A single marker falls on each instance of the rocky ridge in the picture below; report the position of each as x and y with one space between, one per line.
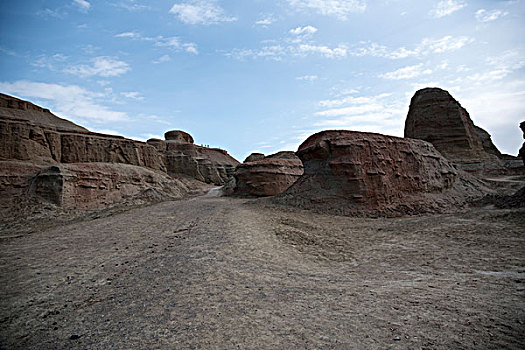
267 176
356 173
47 159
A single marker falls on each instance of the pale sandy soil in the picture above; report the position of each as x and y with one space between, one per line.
220 273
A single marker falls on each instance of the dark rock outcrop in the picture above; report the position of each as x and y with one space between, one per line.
253 157
356 173
522 149
267 176
435 116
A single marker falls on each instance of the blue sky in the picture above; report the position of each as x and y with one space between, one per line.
257 75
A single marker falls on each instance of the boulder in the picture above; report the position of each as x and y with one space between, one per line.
355 173
268 176
435 116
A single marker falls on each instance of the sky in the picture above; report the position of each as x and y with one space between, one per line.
260 75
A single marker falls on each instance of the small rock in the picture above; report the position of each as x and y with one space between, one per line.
396 338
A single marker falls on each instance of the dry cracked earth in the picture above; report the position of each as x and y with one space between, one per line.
226 273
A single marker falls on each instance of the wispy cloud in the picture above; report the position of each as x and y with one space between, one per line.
132 5
340 9
408 72
302 46
377 113
103 66
489 16
69 101
133 95
172 42
83 5
309 78
446 7
306 30
162 59
266 21
200 12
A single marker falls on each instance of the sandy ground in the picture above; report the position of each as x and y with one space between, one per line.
222 273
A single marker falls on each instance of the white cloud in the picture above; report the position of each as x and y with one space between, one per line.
307 78
103 66
340 9
172 42
376 113
83 5
447 7
162 59
132 5
266 21
134 95
489 16
300 46
68 101
428 46
306 30
508 60
408 72
339 51
200 12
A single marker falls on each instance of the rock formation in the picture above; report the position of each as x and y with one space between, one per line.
350 172
435 116
267 176
48 159
254 156
522 149
91 185
183 158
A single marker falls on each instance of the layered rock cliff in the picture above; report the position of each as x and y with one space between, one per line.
183 158
358 173
267 176
435 116
45 158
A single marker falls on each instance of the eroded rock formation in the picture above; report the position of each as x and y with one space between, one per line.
53 160
522 149
435 116
267 176
183 158
350 172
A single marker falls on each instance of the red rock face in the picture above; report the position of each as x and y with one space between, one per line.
268 176
435 116
352 172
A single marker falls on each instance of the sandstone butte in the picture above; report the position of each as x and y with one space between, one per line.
262 176
44 158
357 173
435 116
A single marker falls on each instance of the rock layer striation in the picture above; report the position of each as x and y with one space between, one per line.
267 176
349 172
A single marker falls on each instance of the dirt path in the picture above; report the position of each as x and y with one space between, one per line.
217 273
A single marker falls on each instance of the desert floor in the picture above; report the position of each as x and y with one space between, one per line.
226 273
